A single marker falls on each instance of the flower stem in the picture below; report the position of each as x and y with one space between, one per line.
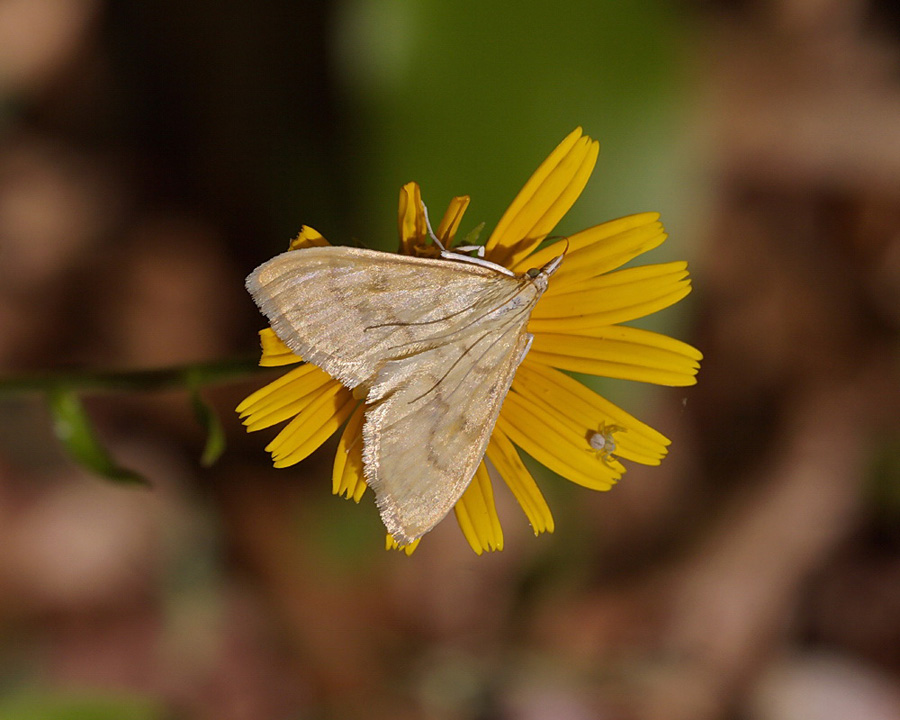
95 381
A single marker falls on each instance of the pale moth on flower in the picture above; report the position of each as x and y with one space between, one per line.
431 344
442 367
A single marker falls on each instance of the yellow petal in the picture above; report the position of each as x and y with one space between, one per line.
597 250
580 170
505 459
613 298
446 231
477 514
347 476
553 443
589 411
269 393
308 238
319 421
559 416
620 352
284 398
410 218
546 197
274 352
391 544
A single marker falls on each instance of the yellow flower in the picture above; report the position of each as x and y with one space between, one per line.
576 326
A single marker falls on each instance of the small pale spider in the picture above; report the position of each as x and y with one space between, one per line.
603 441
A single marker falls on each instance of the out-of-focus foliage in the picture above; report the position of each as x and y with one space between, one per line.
81 707
152 154
75 431
464 97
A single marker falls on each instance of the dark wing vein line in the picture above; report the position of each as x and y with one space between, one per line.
433 340
511 324
507 327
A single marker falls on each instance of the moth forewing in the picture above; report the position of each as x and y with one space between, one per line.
347 310
435 345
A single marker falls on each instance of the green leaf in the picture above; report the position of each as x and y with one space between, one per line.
75 431
473 235
215 434
49 705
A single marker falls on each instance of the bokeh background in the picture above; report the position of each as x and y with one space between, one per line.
151 154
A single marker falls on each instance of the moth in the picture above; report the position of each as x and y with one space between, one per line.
431 344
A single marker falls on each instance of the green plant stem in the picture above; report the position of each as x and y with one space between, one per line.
166 378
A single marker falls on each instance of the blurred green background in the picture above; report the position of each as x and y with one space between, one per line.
152 154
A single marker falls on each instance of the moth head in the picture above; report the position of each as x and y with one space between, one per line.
551 267
545 271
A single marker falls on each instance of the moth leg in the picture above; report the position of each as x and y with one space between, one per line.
528 341
478 249
449 255
434 238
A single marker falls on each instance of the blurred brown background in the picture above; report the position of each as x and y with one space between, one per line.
151 154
